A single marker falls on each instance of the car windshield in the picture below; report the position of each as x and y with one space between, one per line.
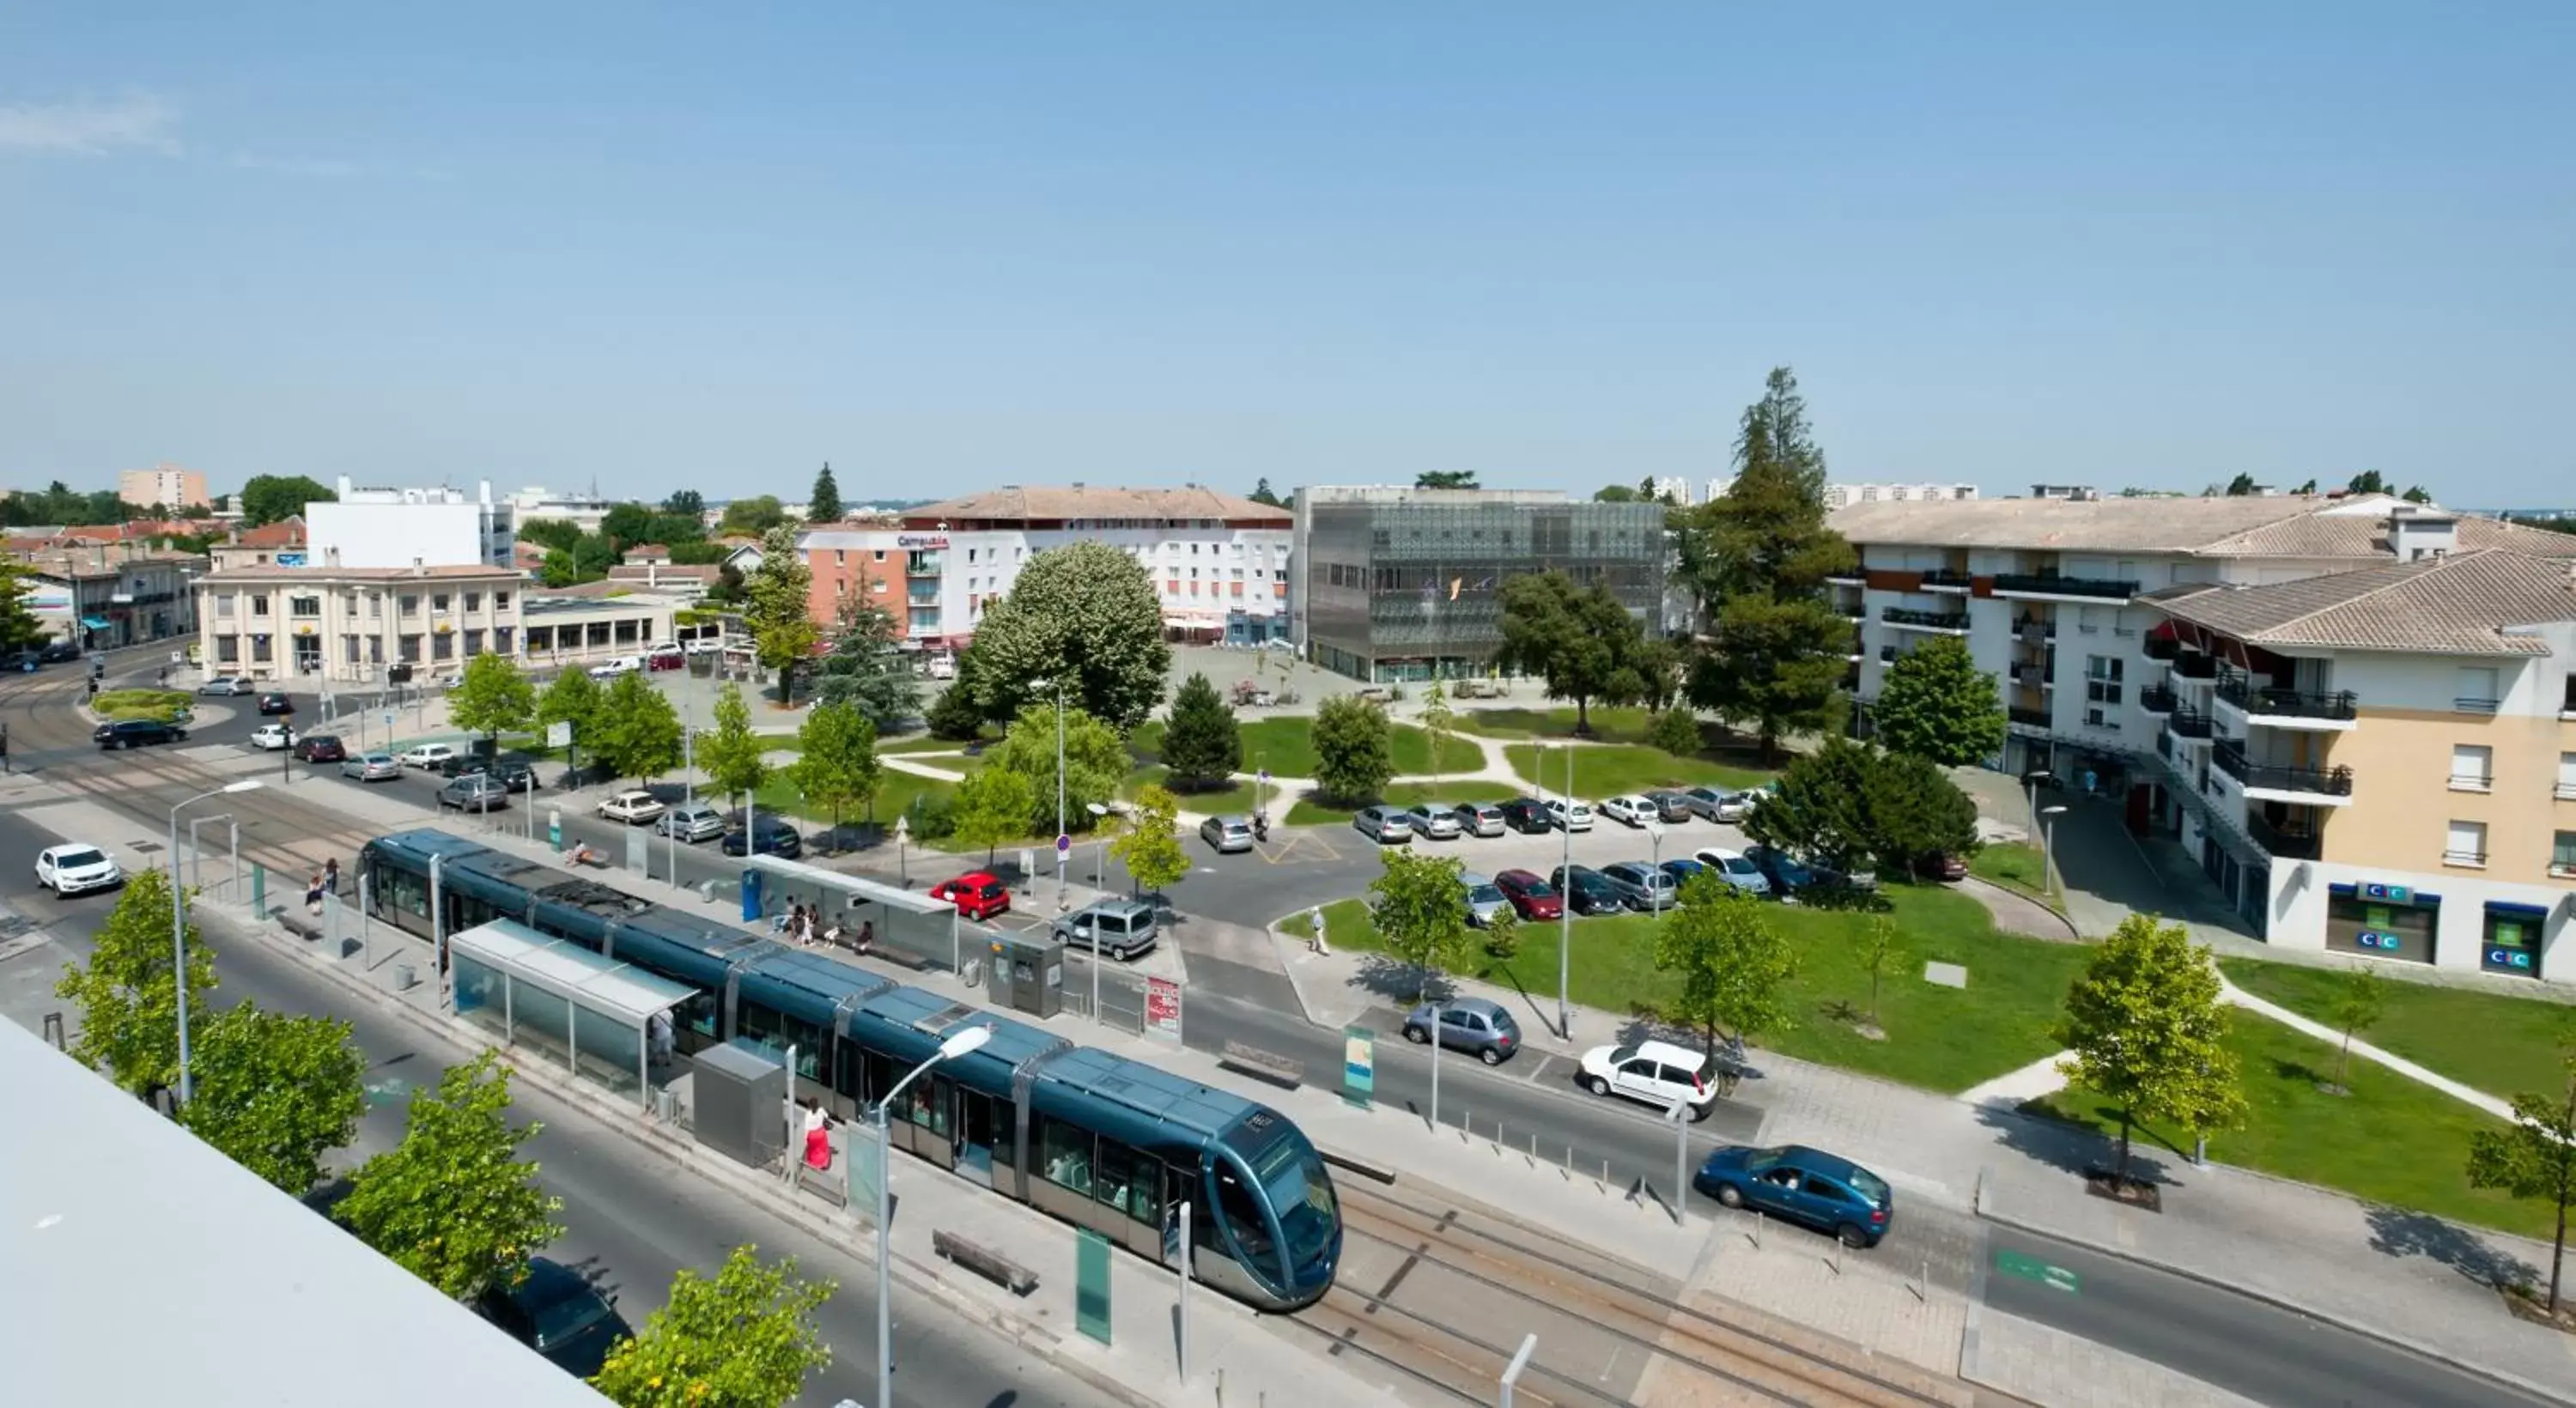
1622 1055
78 859
1872 1189
1738 865
560 1320
1537 889
1484 894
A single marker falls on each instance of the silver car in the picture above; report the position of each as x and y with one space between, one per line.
371 767
1433 822
1227 835
1485 899
1640 885
1384 825
691 822
1716 803
1479 818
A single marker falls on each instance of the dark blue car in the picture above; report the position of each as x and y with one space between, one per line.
1825 1191
1788 874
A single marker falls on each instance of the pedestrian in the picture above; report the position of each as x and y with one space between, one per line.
657 1038
867 934
313 894
331 875
818 1136
1315 942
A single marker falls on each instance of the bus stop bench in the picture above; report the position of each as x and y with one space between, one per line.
1263 1065
991 1265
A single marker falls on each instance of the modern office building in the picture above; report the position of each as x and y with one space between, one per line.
585 511
381 528
1674 487
1398 584
168 485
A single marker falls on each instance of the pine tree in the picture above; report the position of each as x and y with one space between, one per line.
1937 705
824 504
1202 746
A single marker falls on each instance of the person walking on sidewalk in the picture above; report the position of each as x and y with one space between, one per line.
818 1136
313 894
331 875
1315 941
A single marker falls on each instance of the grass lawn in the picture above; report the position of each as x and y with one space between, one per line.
919 743
1944 1039
1236 798
1610 770
1610 725
2012 865
1309 812
2391 1140
2501 1045
160 705
1287 748
895 793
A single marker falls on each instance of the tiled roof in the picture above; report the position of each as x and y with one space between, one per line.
2366 535
1015 502
2068 525
269 572
665 572
2461 604
287 532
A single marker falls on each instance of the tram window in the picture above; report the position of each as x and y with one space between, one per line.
405 891
1006 1133
699 1013
880 1069
1131 1182
847 1071
1065 1154
926 1104
1242 1212
768 1027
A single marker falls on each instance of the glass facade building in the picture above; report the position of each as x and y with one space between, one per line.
1406 584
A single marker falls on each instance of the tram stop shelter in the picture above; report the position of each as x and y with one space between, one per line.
593 1014
915 927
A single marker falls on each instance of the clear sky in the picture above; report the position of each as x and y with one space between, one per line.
960 244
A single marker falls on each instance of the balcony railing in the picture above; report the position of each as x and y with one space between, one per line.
2035 718
2566 791
2158 699
1945 577
2241 691
2475 706
2230 758
2106 588
1936 620
2030 628
2162 647
2476 859
1850 578
2195 666
2189 723
2290 842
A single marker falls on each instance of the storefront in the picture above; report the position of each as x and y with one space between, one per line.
2376 920
2511 942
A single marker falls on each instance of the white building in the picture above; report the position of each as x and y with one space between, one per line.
1674 487
1845 495
583 511
373 528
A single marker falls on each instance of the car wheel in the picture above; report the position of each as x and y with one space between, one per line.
1730 1195
1416 1035
1491 1056
1851 1236
1700 1112
1598 1085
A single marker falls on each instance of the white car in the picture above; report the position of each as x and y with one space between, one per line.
1654 1072
1735 869
703 645
76 869
634 807
1572 816
622 665
428 755
227 684
270 738
1634 810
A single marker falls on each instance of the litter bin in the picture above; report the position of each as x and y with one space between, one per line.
1028 974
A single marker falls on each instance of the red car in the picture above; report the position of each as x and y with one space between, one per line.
666 660
1941 865
1531 896
976 894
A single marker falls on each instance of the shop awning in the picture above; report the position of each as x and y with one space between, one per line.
98 623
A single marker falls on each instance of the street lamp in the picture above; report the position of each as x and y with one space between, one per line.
1565 906
1062 854
959 1043
179 923
2048 848
1099 878
2030 786
1655 834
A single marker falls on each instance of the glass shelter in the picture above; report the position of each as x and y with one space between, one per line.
595 1015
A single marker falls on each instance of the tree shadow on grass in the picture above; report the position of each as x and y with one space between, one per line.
2075 1148
2399 1232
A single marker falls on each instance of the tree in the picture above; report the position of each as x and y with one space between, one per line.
1095 762
1420 909
128 1005
2147 1032
454 1204
1730 962
551 533
2308 487
1614 494
1882 945
1438 723
1201 745
836 764
19 627
1675 731
2369 481
993 805
1352 760
493 696
1446 479
1914 810
729 753
687 502
955 715
2355 1005
2535 1156
1583 643
745 1339
574 698
1936 704
824 504
758 514
1261 495
274 1092
776 608
2242 487
626 525
2417 494
1083 616
1503 933
866 671
1151 847
640 733
1852 806
269 498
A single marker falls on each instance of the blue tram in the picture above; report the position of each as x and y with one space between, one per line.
1086 1136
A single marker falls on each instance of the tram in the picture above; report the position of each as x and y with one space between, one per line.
1086 1136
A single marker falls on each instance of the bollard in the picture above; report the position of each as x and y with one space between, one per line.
1923 1287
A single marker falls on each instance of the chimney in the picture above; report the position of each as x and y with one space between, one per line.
419 567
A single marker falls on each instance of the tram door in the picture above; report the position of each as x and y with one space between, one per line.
981 1120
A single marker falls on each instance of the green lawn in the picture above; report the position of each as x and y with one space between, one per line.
160 705
2501 1045
1309 812
1236 798
1944 1039
1612 769
919 743
2012 865
2392 1140
1610 725
895 793
1287 748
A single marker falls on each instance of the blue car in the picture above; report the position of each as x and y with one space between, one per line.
1825 1191
1788 874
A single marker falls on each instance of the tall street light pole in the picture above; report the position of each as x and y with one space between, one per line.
959 1043
2048 847
179 924
1063 853
1565 907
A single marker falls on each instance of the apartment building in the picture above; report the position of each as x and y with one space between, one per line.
165 484
104 595
397 528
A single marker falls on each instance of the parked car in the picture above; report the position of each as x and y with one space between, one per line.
977 894
320 748
1573 816
272 738
691 822
76 869
1384 825
1683 870
1120 928
1228 835
1825 1191
1654 1072
622 665
276 702
1743 874
702 645
1942 865
1631 810
1585 890
1672 807
1479 818
136 733
1641 884
21 662
474 793
634 806
1484 899
427 755
1478 1026
555 1311
1531 895
1788 874
1433 822
371 767
666 657
514 774
776 838
60 652
1527 814
226 685
1716 804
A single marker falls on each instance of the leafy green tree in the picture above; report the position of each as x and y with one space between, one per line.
730 752
685 501
2417 494
128 1005
1419 905
699 552
1095 762
1151 846
1503 933
551 532
454 1204
1438 723
2146 1030
1852 806
2355 1004
745 1339
493 697
640 733
757 514
1914 810
955 715
1353 761
1882 947
1731 965
1261 495
1583 643
1201 745
1614 494
627 525
1446 479
19 627
866 671
274 1092
993 806
574 698
2242 487
679 530
824 504
776 608
1675 731
2369 481
836 766
1083 616
1937 705
2535 1156
270 498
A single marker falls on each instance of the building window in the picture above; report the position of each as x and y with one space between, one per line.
410 604
501 640
259 650
473 643
438 601
2567 777
2512 943
2476 691
411 649
227 652
2472 767
500 601
442 646
348 652
473 601
375 650
223 606
2467 844
2382 921
375 606
259 603
307 607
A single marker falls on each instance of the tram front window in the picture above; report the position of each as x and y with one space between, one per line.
1301 1193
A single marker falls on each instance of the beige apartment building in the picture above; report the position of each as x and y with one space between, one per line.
365 626
168 485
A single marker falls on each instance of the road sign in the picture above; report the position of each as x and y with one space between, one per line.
2031 1268
1163 1008
1063 844
1264 774
559 734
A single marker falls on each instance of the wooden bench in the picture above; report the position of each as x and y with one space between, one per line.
1263 1065
985 1262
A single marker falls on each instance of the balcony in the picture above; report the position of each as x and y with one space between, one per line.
2028 718
2158 699
2193 665
2288 708
1943 579
2566 792
2189 723
1907 618
1851 578
2030 630
2475 706
2050 586
2032 677
2289 841
2270 783
2162 647
924 564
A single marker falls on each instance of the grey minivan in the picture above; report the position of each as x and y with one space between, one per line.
1641 885
1471 1024
1120 928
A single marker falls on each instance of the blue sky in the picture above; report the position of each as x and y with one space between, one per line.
945 246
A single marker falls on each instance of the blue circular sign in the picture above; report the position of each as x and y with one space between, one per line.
1063 844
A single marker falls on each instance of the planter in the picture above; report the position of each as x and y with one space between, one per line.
2530 1303
2128 1192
